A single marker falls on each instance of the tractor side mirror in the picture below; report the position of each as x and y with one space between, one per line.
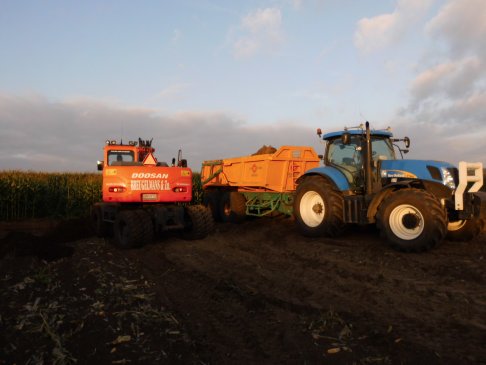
319 132
100 165
407 142
346 138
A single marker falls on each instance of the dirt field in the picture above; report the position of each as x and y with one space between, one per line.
254 293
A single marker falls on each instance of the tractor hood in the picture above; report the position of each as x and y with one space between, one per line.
435 171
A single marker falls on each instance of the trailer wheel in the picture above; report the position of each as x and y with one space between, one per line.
412 220
211 200
232 207
198 222
464 230
128 230
318 208
100 227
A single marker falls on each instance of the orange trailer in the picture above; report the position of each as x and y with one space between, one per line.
257 184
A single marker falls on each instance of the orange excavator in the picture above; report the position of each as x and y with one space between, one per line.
143 198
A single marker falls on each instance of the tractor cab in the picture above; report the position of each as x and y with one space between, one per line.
345 151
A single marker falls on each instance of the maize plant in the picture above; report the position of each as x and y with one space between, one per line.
60 195
36 195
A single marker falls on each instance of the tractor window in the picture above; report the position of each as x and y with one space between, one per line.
119 157
345 155
383 149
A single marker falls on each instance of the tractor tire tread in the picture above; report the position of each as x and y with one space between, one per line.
435 226
334 224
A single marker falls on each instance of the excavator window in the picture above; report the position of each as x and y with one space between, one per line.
119 158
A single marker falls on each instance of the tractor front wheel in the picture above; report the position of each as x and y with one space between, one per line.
464 230
412 220
318 208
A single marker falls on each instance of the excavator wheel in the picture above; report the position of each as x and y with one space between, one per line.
198 222
146 226
101 228
129 233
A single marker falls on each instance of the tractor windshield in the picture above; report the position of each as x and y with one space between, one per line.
382 149
344 154
346 157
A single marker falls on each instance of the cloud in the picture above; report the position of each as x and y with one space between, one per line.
383 30
260 30
462 23
447 98
297 4
435 141
44 135
450 79
171 92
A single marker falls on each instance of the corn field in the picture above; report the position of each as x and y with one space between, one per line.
26 195
36 195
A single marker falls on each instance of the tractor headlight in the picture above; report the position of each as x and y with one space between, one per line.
448 179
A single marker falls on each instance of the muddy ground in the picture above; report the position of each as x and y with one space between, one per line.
253 293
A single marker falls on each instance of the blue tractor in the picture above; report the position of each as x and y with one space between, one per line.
415 204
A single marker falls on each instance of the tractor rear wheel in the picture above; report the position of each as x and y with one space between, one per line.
198 222
464 230
232 207
412 220
318 208
128 230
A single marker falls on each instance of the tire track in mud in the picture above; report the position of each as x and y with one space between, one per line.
251 293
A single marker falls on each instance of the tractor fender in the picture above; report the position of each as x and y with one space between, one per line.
437 189
332 174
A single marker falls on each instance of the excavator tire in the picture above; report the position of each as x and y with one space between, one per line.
198 222
129 233
100 227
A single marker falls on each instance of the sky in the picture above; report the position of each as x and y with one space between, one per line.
220 79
